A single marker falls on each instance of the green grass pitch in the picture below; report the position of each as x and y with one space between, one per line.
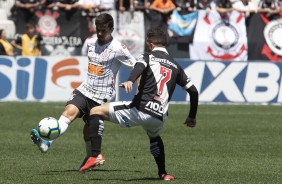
230 144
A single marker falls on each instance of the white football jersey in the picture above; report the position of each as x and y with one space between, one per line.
88 40
104 62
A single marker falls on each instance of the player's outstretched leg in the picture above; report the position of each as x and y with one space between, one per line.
42 144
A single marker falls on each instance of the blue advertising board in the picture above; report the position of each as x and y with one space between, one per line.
54 78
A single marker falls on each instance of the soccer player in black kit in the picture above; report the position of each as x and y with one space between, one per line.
149 108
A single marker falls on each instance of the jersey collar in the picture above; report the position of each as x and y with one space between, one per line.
160 49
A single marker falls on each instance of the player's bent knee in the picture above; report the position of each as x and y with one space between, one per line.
71 112
101 111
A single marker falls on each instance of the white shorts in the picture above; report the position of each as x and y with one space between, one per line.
122 114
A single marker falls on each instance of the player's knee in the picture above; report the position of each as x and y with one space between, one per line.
153 134
99 111
71 112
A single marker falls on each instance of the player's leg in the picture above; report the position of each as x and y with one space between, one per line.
157 150
73 109
100 159
86 137
153 130
42 144
96 127
69 114
86 141
117 112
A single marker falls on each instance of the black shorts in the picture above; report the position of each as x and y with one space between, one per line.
83 103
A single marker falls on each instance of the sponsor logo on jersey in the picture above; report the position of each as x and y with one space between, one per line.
154 107
160 60
95 69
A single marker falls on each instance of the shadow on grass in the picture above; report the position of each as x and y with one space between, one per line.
95 170
56 172
127 180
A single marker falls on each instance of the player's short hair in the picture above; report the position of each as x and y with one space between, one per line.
104 19
1 31
157 36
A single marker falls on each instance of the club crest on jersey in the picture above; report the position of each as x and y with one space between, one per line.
106 54
91 47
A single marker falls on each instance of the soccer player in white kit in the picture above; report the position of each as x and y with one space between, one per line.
149 108
105 56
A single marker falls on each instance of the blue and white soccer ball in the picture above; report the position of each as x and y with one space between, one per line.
49 128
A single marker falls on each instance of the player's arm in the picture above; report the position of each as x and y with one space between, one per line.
194 95
84 48
137 85
139 67
134 75
184 81
125 57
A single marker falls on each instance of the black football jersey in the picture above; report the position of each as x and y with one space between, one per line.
158 81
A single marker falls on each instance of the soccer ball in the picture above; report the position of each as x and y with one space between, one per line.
49 128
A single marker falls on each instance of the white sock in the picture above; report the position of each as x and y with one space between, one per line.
64 122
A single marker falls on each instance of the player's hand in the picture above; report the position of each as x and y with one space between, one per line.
190 122
128 85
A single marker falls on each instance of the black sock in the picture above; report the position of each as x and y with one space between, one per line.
157 150
96 128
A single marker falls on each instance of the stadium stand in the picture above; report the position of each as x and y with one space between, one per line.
6 24
7 6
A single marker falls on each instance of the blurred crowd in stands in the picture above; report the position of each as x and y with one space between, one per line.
163 8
